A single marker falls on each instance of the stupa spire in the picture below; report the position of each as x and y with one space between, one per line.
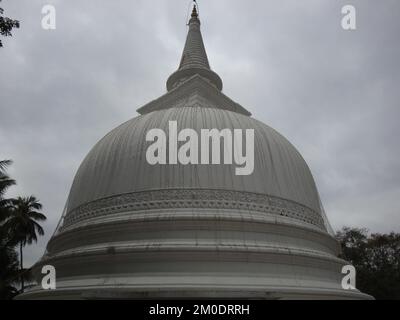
194 58
194 11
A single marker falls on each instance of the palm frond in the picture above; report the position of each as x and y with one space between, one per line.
37 216
39 229
4 164
5 183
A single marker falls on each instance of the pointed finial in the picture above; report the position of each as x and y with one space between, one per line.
194 11
194 57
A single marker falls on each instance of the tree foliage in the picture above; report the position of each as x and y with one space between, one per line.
8 257
22 219
6 25
18 226
376 258
9 267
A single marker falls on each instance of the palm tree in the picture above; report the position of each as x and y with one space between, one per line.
22 223
5 183
8 258
9 271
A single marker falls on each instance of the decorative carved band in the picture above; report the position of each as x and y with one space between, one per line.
194 198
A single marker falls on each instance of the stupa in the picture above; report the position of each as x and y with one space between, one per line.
132 229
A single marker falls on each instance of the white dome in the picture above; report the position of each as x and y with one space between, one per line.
135 230
117 167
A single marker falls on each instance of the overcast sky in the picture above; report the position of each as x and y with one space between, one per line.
333 93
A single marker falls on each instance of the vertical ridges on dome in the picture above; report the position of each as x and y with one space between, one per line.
194 58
